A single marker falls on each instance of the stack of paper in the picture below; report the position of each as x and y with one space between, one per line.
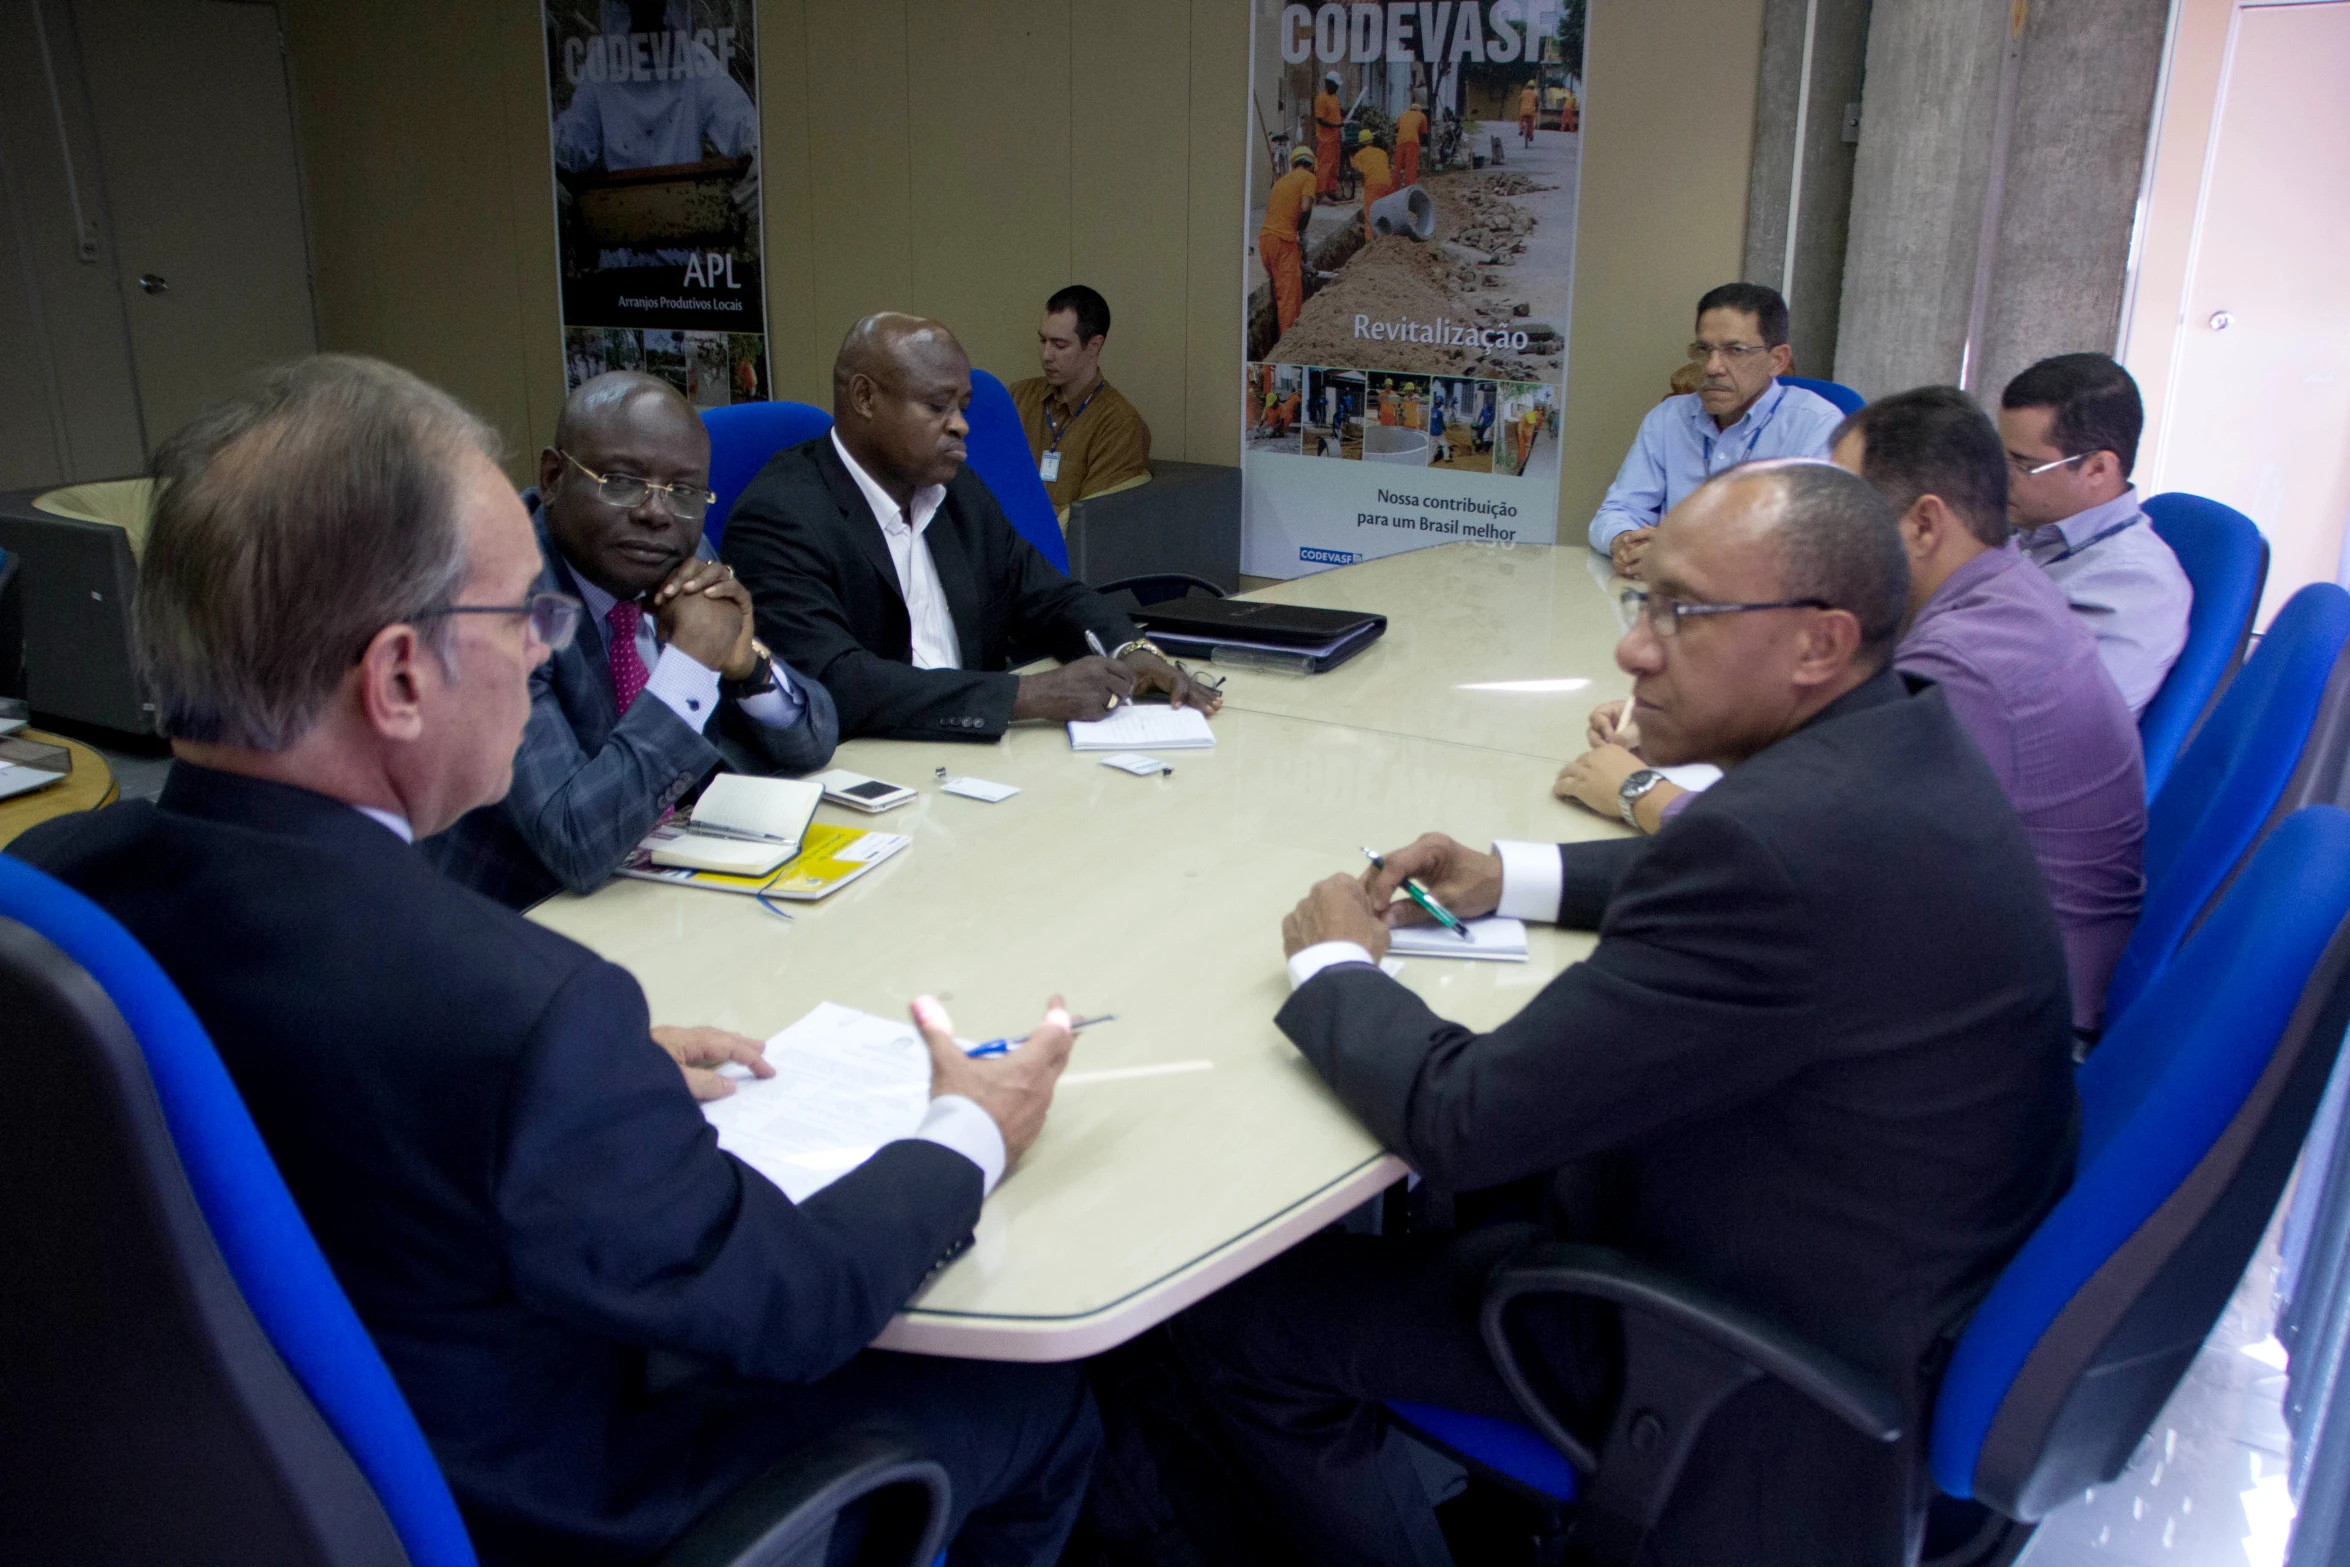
845 1083
1493 939
1144 728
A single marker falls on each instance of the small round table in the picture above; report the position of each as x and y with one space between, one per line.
89 785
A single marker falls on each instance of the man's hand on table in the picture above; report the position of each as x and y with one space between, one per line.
1595 777
698 1052
1628 549
1338 909
1086 688
1153 673
1015 1088
1466 882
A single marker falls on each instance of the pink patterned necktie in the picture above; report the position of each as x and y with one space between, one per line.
628 666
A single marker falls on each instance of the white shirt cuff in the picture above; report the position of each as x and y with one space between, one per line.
1309 961
1532 880
684 686
777 709
953 1121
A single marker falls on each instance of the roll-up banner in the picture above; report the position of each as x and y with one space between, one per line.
1411 248
658 227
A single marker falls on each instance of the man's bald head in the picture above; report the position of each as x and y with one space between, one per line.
900 384
596 403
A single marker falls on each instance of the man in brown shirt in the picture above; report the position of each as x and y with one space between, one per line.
1086 437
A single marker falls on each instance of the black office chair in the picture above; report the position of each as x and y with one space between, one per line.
1160 586
148 1413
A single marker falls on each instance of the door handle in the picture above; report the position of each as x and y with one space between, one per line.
149 283
2221 321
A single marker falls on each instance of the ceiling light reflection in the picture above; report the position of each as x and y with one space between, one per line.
1527 687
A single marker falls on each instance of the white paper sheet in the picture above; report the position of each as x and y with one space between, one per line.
1495 940
1144 726
980 789
845 1083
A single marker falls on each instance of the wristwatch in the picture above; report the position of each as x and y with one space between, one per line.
758 683
1139 644
1628 793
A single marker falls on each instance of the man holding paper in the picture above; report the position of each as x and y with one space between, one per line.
664 682
339 614
1819 1064
882 566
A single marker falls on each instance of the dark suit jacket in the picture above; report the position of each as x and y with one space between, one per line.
803 540
590 782
1819 1062
506 1173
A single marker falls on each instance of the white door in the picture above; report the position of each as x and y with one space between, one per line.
196 136
2260 414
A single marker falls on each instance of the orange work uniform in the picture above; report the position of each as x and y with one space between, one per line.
1378 181
1529 104
1390 407
1410 126
1291 198
1329 120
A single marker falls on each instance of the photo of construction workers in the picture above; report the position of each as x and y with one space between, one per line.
1274 405
1460 424
1443 171
1526 431
655 124
1335 403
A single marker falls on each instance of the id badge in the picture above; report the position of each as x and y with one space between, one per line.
1048 468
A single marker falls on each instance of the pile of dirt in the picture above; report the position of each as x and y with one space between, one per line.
1477 217
1507 184
1394 279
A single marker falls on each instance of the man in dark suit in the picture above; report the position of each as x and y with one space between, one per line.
1819 1064
883 567
338 622
618 508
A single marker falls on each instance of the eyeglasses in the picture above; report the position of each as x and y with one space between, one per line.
554 617
687 502
1734 353
2024 470
1664 615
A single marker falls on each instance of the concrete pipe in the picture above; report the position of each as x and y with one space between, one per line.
1397 444
1409 211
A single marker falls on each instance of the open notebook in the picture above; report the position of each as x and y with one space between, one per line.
1144 727
741 826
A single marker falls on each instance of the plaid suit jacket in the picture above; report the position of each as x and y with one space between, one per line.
590 781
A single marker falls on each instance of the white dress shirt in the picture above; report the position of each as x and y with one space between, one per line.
935 644
2127 587
1532 881
1679 447
681 682
952 1121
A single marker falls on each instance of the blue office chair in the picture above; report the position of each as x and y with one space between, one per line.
186 1381
2193 1109
1001 458
1836 392
742 438
2226 560
2219 795
2192 1112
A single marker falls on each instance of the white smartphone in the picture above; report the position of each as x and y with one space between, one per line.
861 793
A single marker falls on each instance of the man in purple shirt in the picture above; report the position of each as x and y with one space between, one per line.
2020 671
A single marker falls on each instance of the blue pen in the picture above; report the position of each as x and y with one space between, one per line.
997 1047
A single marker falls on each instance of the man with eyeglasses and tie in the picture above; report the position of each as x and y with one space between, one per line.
2071 425
665 682
1741 411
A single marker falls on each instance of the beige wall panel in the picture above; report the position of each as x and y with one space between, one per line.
415 120
990 170
859 216
1669 120
799 358
1219 147
1130 79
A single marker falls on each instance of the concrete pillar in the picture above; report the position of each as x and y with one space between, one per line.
1997 180
1839 34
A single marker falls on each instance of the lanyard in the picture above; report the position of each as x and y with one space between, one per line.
2089 543
1060 430
1752 435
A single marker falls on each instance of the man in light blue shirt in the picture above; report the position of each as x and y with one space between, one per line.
2071 425
1740 411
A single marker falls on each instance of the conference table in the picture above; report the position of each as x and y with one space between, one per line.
1188 1141
88 785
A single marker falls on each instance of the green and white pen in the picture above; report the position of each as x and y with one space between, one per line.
1419 894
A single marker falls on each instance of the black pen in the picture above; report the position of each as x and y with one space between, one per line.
1419 894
